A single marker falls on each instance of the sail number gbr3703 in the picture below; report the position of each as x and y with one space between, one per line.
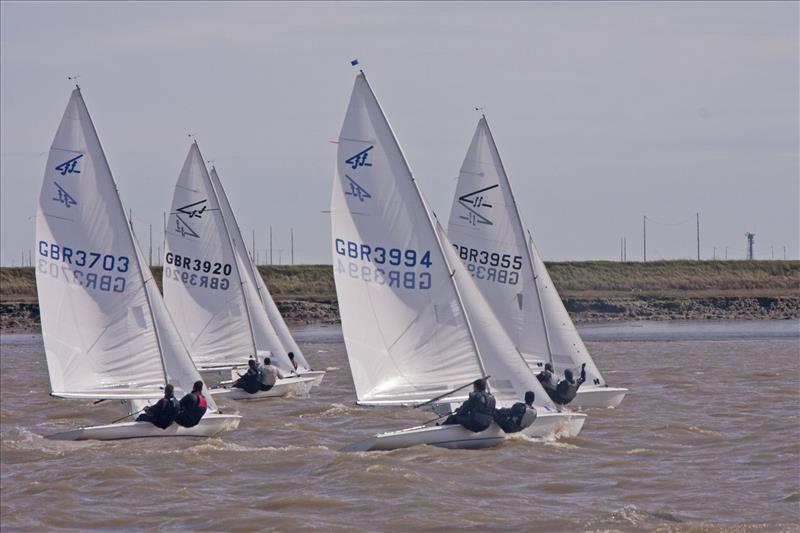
392 267
92 270
197 272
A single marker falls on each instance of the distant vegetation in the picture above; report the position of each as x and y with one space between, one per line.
573 279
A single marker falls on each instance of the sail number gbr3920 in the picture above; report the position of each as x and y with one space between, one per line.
392 267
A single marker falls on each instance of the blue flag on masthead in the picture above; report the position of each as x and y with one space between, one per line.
354 62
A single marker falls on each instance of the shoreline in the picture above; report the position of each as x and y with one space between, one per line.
23 317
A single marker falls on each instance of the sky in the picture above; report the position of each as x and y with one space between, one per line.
603 113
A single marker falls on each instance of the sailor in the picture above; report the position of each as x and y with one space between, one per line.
567 388
477 413
548 380
251 380
163 413
193 407
269 374
294 363
518 417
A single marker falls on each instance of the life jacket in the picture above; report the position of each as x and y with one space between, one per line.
202 400
566 392
167 412
482 410
190 415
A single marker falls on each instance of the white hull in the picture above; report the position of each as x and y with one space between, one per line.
316 375
598 397
210 425
283 387
214 376
547 425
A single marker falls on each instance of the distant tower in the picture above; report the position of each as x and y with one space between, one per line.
750 240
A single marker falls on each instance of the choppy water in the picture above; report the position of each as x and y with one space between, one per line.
708 440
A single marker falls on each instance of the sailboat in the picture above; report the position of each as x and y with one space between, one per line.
107 334
414 323
210 289
489 237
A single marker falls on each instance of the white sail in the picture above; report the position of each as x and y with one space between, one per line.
404 328
414 323
487 234
103 330
272 335
568 349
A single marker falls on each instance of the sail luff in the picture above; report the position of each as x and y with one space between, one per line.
432 226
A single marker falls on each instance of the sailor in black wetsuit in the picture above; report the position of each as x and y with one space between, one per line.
518 417
477 413
251 380
193 407
548 380
163 413
567 388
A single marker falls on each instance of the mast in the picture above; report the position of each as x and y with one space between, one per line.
504 177
433 227
129 232
236 262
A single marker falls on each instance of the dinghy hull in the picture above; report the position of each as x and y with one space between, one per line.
453 437
283 387
211 425
598 397
555 425
316 375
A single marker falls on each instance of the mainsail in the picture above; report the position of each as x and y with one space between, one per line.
489 237
105 330
409 334
208 281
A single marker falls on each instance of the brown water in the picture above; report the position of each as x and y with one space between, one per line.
708 440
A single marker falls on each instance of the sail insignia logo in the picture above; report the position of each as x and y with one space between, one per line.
360 159
194 210
183 228
474 201
69 167
64 197
357 190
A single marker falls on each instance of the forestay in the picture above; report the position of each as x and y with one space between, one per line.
272 332
404 328
105 331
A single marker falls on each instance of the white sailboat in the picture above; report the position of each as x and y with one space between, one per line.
273 314
106 332
209 286
414 323
488 235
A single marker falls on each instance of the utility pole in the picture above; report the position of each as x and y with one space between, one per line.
150 259
750 240
772 251
270 245
291 238
625 249
784 253
620 249
30 258
726 253
698 236
644 238
715 253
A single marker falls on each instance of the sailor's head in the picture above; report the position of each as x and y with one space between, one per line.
479 385
529 397
568 374
251 363
168 390
267 361
197 387
548 367
291 356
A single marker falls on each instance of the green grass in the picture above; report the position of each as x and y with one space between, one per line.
573 279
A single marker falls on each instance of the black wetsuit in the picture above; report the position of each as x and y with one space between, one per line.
250 382
162 414
548 383
568 389
475 414
193 407
516 418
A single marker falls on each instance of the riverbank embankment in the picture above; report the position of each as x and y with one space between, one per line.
591 291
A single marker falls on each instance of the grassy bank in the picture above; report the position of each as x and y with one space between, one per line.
587 279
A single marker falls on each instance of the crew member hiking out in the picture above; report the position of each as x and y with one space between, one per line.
193 407
567 388
294 363
163 413
250 382
477 412
518 416
269 375
548 380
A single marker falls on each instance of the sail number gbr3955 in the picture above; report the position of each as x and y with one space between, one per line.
392 267
491 266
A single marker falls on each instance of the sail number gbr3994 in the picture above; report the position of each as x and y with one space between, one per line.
392 267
